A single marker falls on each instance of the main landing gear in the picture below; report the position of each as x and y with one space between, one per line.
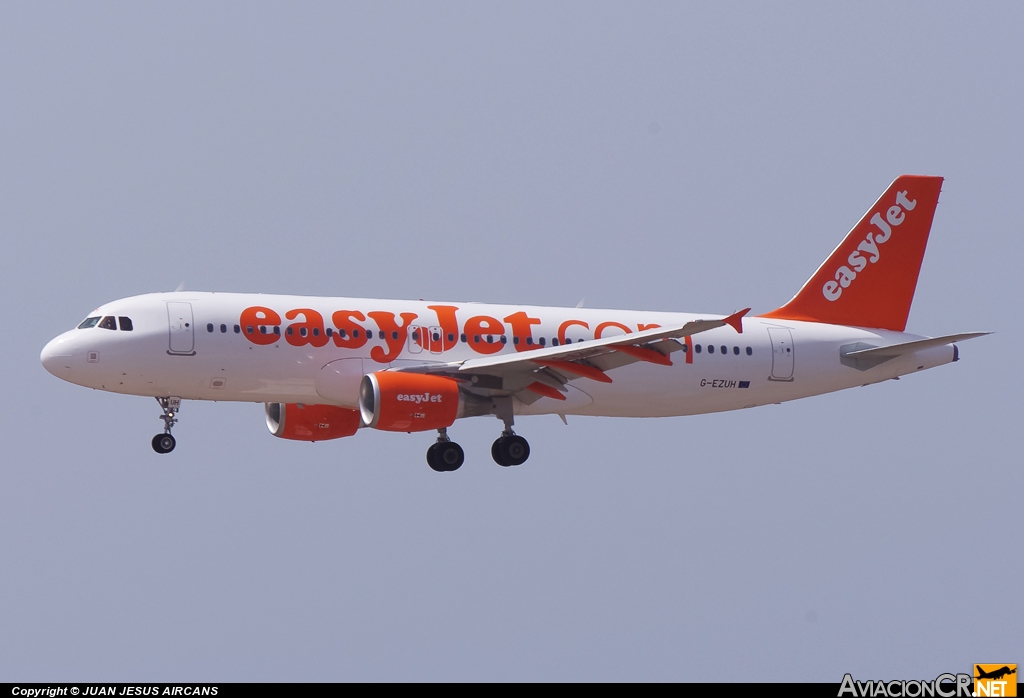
164 443
445 455
508 449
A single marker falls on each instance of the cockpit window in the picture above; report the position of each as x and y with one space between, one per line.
108 323
89 322
125 322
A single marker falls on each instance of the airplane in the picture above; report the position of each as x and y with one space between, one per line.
995 674
326 367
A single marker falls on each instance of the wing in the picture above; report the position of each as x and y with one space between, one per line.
544 372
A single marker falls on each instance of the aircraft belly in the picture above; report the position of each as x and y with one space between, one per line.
646 390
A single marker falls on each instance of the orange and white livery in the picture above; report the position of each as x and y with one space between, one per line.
327 367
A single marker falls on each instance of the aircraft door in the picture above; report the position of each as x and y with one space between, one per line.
436 340
416 339
782 353
181 328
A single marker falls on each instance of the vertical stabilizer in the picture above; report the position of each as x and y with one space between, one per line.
869 280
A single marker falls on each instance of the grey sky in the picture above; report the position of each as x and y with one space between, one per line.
698 157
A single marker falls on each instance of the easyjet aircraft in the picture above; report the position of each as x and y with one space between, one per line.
326 367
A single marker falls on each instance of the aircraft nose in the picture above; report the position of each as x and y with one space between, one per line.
56 356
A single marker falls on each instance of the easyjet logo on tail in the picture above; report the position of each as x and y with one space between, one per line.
857 261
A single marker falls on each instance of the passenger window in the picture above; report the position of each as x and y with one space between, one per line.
302 331
237 329
736 351
382 334
685 348
316 331
504 339
394 335
711 348
543 341
89 322
750 351
209 327
277 329
463 337
355 334
249 329
515 340
554 341
289 331
451 337
223 329
476 339
696 348
725 349
126 323
108 323
568 341
529 341
329 332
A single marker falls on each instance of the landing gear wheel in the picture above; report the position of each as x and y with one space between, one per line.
432 458
451 456
445 456
163 443
510 450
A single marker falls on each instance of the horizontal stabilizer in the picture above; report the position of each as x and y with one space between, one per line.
862 357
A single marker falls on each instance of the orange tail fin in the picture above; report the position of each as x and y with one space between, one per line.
869 280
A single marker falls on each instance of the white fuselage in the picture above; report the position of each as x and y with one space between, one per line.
199 346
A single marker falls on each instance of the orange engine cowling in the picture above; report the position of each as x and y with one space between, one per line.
311 422
408 401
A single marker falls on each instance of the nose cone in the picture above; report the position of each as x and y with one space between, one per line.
56 356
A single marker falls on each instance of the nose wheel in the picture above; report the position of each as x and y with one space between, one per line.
445 456
165 443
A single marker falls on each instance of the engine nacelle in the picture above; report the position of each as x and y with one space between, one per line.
311 422
409 401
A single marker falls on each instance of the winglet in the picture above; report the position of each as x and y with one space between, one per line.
736 320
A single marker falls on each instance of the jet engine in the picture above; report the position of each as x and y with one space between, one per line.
310 422
409 401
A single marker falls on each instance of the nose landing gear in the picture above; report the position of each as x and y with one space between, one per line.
164 443
445 456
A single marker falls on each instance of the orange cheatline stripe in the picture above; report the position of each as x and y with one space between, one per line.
545 390
644 354
576 369
689 349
